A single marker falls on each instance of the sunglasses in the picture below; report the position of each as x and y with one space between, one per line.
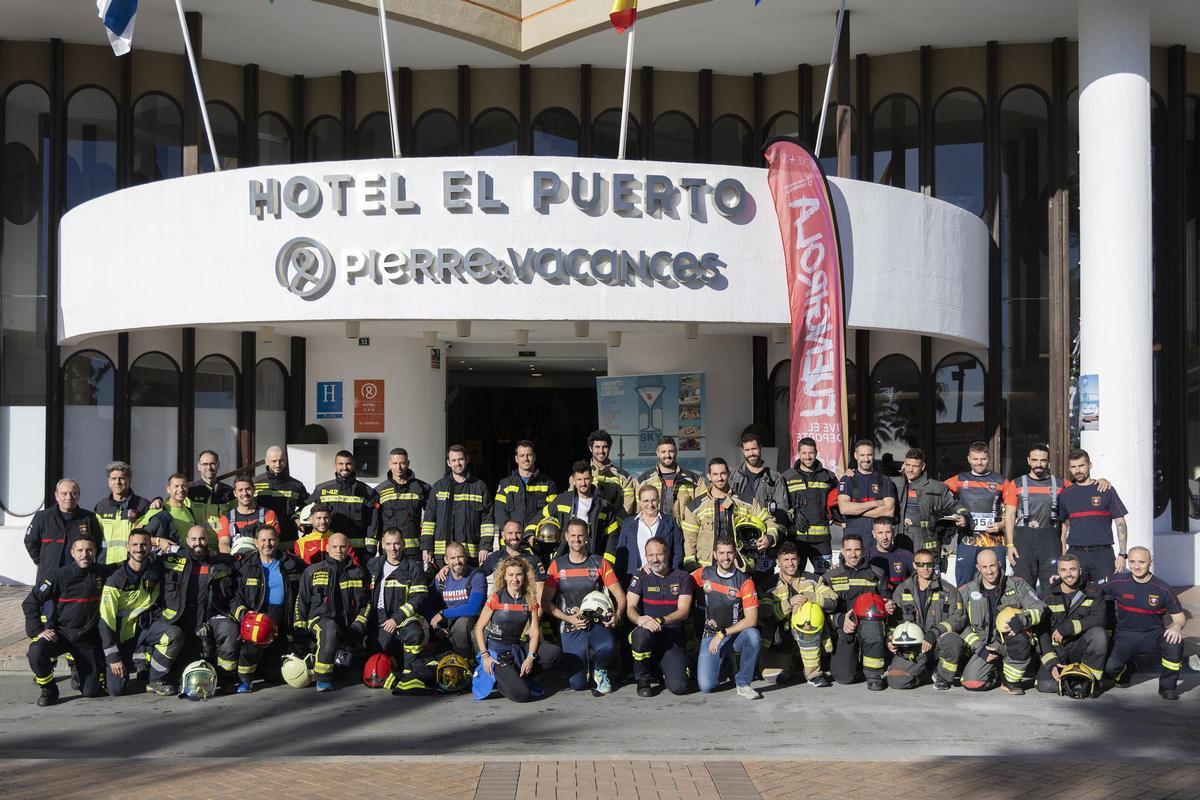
923 564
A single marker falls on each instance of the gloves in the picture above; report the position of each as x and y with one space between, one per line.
208 650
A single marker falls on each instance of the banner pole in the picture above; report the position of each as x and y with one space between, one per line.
837 37
187 45
387 72
625 95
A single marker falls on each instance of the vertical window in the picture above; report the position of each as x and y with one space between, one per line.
91 145
851 402
895 141
375 136
785 123
270 404
157 139
154 419
1191 301
274 140
959 385
436 134
896 381
555 133
88 422
732 142
216 406
494 133
323 142
829 141
227 132
674 137
606 134
958 150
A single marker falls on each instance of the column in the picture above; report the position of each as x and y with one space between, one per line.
1115 246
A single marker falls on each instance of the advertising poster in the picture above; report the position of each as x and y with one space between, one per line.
1089 402
638 409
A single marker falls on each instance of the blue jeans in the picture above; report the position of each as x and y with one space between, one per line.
964 561
576 645
746 644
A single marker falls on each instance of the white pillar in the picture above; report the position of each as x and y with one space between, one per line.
1115 246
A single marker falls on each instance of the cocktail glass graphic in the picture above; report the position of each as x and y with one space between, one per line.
650 418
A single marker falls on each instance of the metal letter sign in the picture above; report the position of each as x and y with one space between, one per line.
329 399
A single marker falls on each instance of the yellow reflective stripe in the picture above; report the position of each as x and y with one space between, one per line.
1173 666
872 663
1049 657
1077 626
949 666
1013 673
352 499
351 583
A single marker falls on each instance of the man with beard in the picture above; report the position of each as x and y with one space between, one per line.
210 497
754 481
784 645
522 495
351 502
858 641
923 502
276 489
1075 627
658 601
584 502
865 494
459 510
810 489
613 484
268 582
129 633
333 606
402 499
676 485
120 512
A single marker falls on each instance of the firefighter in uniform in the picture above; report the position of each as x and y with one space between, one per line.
129 633
715 513
269 583
922 504
276 489
810 489
120 512
753 481
676 485
1089 511
62 615
1031 526
781 648
402 498
239 525
989 639
856 640
52 531
170 524
658 603
351 502
936 607
1074 629
980 493
613 484
522 495
865 494
399 598
333 605
459 510
584 502
210 497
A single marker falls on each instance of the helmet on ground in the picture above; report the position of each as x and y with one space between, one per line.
377 669
296 671
869 606
258 628
1076 681
808 619
548 532
1004 616
907 638
597 607
453 673
198 682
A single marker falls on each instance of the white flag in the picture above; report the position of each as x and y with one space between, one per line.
118 17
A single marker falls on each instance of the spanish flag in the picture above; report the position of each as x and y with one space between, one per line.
623 14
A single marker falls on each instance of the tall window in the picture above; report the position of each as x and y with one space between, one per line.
606 134
323 142
274 140
436 134
896 381
270 404
555 133
674 137
88 422
24 240
958 150
154 418
375 136
157 139
494 132
785 123
1025 272
227 132
91 145
959 385
216 405
851 402
895 142
732 142
1191 301
829 141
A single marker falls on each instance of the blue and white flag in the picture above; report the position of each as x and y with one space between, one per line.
118 17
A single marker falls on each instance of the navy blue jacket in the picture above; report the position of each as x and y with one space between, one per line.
628 559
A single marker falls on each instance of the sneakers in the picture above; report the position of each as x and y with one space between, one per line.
324 686
160 688
876 684
941 683
644 689
603 684
49 695
1014 689
749 693
243 688
819 681
1165 694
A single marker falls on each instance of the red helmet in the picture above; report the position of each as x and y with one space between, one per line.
377 669
869 605
258 628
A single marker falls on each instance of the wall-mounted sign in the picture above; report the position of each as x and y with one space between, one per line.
639 409
368 406
435 358
1089 402
329 399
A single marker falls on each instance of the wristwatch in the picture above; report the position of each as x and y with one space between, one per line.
1122 555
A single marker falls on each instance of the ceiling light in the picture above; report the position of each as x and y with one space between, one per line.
353 329
463 328
614 338
691 330
429 338
521 337
582 329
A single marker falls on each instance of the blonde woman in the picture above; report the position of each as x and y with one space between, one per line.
508 635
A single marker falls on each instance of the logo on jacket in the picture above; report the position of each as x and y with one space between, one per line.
131 514
992 486
898 567
1152 600
1096 501
305 268
874 488
83 528
673 589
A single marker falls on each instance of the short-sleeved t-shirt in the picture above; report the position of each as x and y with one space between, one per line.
660 593
510 616
726 598
494 559
896 564
1035 501
859 487
1140 606
1090 512
574 581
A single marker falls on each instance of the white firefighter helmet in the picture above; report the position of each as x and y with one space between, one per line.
296 671
198 682
597 607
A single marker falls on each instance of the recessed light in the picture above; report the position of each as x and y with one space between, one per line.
535 374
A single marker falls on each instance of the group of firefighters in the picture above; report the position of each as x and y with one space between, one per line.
668 577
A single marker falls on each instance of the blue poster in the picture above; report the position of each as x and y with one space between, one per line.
638 409
1089 402
329 399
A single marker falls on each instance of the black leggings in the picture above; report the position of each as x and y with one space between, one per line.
508 675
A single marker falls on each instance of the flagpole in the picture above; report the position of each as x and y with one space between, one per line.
387 72
187 45
837 36
625 95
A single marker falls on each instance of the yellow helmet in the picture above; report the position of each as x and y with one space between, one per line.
548 532
453 673
1003 617
1076 681
808 619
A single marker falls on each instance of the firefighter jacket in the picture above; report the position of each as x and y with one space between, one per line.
401 505
117 519
67 601
211 502
51 533
703 522
352 505
403 594
944 614
522 500
616 486
336 590
919 507
604 522
251 593
770 492
1072 614
126 605
458 512
284 495
849 582
779 598
673 501
981 626
216 586
808 496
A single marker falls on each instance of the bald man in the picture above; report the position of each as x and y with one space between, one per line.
276 490
332 608
53 531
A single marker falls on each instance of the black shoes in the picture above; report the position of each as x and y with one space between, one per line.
819 681
644 689
941 683
49 695
876 684
1165 694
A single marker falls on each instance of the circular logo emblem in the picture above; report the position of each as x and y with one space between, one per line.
369 390
305 268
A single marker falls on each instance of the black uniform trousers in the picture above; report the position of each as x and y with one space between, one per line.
1129 644
660 651
88 657
1038 550
864 646
1088 648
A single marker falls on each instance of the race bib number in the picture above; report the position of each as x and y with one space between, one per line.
982 520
